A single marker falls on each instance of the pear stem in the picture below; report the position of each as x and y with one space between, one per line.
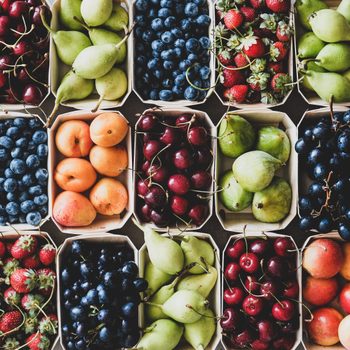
45 24
98 104
82 23
49 118
127 34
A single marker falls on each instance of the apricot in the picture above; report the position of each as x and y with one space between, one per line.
73 139
73 209
108 129
75 174
111 161
109 197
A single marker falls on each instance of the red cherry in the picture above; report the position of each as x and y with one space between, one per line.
243 339
36 17
291 290
268 289
284 246
233 296
178 205
3 79
252 284
21 48
161 219
283 311
148 122
284 343
198 213
18 9
232 271
5 4
4 25
197 136
145 166
252 305
156 197
203 157
235 250
145 213
201 180
158 173
257 344
277 267
249 262
170 136
183 122
32 94
142 187
230 319
182 159
179 184
259 247
266 330
151 149
5 62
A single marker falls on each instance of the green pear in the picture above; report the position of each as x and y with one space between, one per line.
274 141
273 203
203 284
111 86
200 333
164 253
330 26
155 278
334 57
161 335
344 9
347 74
305 8
236 135
118 20
329 84
232 195
68 10
195 250
255 170
314 67
96 12
309 45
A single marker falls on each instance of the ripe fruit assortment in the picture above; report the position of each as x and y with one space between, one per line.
23 171
324 149
178 293
27 294
261 293
252 181
324 49
173 175
100 293
326 289
252 41
24 54
103 141
172 50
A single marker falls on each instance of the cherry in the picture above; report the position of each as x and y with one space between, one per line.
249 262
277 267
203 157
233 296
289 327
151 148
158 173
33 2
251 284
22 75
230 319
178 205
5 62
42 43
198 213
266 330
145 166
20 29
197 136
259 247
160 219
182 159
232 271
145 213
283 310
36 17
291 290
156 197
148 122
32 94
252 305
11 97
142 187
201 180
4 25
268 289
179 184
183 122
3 79
283 246
284 343
18 9
235 250
243 339
258 344
21 48
5 4
170 136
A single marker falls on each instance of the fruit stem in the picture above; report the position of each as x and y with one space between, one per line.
98 104
45 24
127 34
82 23
31 340
49 118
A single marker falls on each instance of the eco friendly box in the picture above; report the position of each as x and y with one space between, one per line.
214 297
232 221
173 113
263 235
101 223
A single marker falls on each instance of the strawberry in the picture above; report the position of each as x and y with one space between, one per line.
38 341
30 302
225 57
31 262
46 278
12 297
258 81
236 93
2 249
240 60
278 6
248 13
233 19
10 321
279 83
10 265
275 67
284 31
23 280
24 246
47 254
278 51
258 65
230 77
11 344
48 325
30 324
9 246
257 4
253 47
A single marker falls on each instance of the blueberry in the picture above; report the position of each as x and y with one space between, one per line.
153 63
168 37
141 60
343 142
33 218
140 47
186 25
159 74
301 146
157 45
170 22
86 269
166 95
320 171
178 91
42 175
78 248
140 284
191 9
35 190
129 310
167 3
306 223
141 5
2 180
31 146
192 45
27 206
105 316
92 296
3 154
167 83
41 200
204 72
10 185
33 161
164 13
43 210
176 32
157 24
13 132
18 166
168 65
22 219
203 20
104 296
34 123
346 117
6 142
17 152
193 58
191 93
13 219
321 131
78 313
39 137
105 335
315 156
130 268
8 173
179 8
180 43
28 179
141 20
3 220
11 196
147 36
12 208
325 224
344 230
23 196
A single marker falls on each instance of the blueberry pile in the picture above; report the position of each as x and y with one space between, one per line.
172 49
23 171
100 294
325 154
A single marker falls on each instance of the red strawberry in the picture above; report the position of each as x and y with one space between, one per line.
225 57
276 67
233 19
46 279
23 280
278 6
47 254
236 93
284 31
30 302
248 13
10 320
278 51
258 81
31 262
231 77
2 249
38 341
10 265
24 246
253 47
240 60
11 297
9 246
280 81
48 325
257 4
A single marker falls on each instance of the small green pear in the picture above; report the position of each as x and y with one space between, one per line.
96 12
118 20
200 333
236 135
161 335
195 250
347 74
305 8
309 45
155 278
274 141
68 10
273 203
334 57
314 67
344 9
255 170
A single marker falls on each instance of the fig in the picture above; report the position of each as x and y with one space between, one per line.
233 197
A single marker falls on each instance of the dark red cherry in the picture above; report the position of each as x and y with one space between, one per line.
269 289
151 149
197 136
259 247
249 262
230 319
184 121
291 289
158 173
145 213
283 311
142 187
18 9
284 246
161 219
148 122
284 343
252 305
203 157
233 296
21 48
198 214
236 249
277 267
4 25
257 344
170 136
267 330
179 184
244 338
252 284
156 197
201 180
5 62
182 159
232 271
3 79
178 205
32 94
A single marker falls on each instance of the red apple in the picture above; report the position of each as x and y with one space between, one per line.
344 299
345 270
323 329
323 258
344 332
319 292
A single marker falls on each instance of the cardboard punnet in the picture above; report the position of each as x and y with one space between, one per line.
182 103
271 235
173 113
59 69
101 223
18 226
214 297
231 221
106 238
